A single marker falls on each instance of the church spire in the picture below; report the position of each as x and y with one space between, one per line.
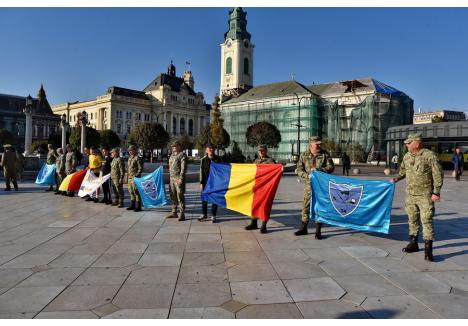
41 93
237 25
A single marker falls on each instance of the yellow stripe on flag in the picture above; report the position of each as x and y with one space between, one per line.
239 196
65 183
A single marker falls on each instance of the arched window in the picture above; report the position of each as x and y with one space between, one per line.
174 125
182 126
190 127
246 66
229 65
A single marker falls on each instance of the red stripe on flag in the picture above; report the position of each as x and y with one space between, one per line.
76 180
266 183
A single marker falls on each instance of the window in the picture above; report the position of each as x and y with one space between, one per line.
129 129
246 66
147 117
129 115
105 114
182 126
190 127
138 116
174 125
228 65
119 128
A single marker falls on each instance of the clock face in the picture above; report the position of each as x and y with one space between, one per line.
228 43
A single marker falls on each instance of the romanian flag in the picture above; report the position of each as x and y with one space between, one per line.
245 188
73 181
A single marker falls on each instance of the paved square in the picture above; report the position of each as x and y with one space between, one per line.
63 257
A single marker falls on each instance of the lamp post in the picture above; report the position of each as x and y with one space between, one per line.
28 110
84 122
292 141
64 125
298 124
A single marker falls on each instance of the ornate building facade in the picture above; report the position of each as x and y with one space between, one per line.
168 99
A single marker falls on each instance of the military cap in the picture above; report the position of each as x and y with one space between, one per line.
7 146
412 137
132 148
209 145
116 149
315 140
176 143
262 146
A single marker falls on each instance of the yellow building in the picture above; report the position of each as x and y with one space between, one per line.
168 99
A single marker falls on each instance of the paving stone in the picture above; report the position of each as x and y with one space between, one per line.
202 258
179 237
103 276
292 270
178 229
246 245
159 313
233 306
403 306
446 305
202 274
417 261
50 248
27 299
339 267
322 254
29 261
239 236
364 252
64 224
165 247
270 311
418 283
83 297
332 309
201 294
90 248
456 279
22 315
172 259
204 237
388 265
153 275
105 310
127 247
293 255
204 246
205 229
200 313
312 289
144 296
52 277
72 260
66 315
254 272
368 285
117 260
246 257
353 298
11 277
260 292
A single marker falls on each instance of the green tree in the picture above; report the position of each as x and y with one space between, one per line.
186 142
330 146
236 156
40 146
355 152
437 119
217 135
92 137
149 136
56 138
204 137
6 137
109 138
263 132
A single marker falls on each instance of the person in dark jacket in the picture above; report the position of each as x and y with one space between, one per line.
205 163
105 170
346 161
458 162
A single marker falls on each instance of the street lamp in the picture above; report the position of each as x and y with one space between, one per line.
298 124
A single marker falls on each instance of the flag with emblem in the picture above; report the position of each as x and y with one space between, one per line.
151 189
364 205
46 176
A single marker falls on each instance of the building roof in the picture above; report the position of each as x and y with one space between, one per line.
355 85
272 90
127 92
176 83
16 104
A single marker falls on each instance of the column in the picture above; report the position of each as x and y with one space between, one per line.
28 133
84 122
177 124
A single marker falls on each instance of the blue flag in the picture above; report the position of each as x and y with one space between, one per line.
151 189
363 205
46 176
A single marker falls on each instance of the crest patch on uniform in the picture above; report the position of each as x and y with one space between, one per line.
150 189
344 197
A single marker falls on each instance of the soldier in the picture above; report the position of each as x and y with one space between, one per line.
315 158
424 179
177 171
51 158
60 169
9 167
19 165
205 163
117 177
135 167
105 170
70 165
262 158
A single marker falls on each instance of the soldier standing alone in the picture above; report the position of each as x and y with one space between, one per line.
51 158
424 179
117 177
315 158
9 167
177 171
262 158
135 167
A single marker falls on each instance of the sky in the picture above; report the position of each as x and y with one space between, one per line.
77 53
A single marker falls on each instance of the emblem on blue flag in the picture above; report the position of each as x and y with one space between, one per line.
149 188
345 198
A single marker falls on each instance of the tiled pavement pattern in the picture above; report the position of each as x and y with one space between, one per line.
65 258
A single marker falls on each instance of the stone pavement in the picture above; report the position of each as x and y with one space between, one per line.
62 257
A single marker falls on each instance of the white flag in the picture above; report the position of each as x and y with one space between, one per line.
91 183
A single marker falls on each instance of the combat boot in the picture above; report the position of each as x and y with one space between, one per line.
137 207
412 245
115 203
263 229
253 225
172 215
302 230
182 217
318 231
121 204
132 206
428 250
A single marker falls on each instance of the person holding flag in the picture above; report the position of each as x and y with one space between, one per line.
177 171
51 158
314 158
95 163
205 163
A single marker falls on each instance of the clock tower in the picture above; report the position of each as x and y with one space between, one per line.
236 57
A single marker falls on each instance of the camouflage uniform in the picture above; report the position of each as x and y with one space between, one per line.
9 168
424 177
70 162
60 168
51 159
117 177
265 160
135 167
306 164
177 171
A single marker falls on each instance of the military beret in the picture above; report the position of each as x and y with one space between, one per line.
412 137
132 148
315 140
262 146
176 143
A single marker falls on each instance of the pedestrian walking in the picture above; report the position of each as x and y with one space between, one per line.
395 161
346 161
458 162
205 163
177 172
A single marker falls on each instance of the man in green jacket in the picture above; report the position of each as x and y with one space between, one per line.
177 172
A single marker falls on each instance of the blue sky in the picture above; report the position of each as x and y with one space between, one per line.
78 53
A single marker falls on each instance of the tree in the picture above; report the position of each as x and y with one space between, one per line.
39 146
204 137
56 139
92 137
109 138
6 137
437 119
236 156
186 142
330 146
263 132
149 136
355 152
217 135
